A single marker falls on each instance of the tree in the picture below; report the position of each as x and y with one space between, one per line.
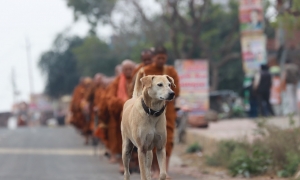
60 66
188 28
95 56
95 11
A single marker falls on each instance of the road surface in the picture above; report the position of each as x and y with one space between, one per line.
57 153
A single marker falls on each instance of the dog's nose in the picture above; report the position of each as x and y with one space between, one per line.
171 95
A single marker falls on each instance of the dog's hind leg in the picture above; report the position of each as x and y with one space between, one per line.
149 159
126 155
161 158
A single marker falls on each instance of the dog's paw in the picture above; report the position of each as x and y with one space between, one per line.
162 177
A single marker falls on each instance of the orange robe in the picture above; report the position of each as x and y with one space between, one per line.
78 118
89 99
170 110
115 107
100 102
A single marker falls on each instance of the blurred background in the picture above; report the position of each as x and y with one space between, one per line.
46 46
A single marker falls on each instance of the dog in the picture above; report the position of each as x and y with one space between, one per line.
144 123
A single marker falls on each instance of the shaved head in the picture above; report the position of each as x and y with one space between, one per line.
127 62
146 56
87 81
127 68
98 78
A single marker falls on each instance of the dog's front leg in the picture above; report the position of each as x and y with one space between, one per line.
126 155
149 159
161 158
142 162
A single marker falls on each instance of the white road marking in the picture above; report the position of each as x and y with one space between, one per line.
70 152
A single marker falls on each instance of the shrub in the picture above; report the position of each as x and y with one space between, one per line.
276 150
224 153
292 165
245 164
194 148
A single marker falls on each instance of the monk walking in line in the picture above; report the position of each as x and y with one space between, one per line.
78 118
118 93
159 67
146 58
89 104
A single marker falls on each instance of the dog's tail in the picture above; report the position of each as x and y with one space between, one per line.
137 91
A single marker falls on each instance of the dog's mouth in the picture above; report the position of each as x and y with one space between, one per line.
166 99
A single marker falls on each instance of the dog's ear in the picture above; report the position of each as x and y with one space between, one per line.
171 80
147 81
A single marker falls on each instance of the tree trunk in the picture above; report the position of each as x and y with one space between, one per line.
215 77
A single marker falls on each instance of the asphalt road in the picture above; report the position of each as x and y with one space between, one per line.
54 153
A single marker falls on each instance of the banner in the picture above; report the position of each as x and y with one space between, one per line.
253 52
194 86
253 39
251 16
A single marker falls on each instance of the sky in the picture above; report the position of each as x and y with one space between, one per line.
39 21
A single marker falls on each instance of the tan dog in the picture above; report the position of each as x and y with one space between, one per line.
144 123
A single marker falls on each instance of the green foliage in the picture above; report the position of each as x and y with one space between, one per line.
95 56
248 164
94 11
277 150
292 165
288 20
60 66
193 148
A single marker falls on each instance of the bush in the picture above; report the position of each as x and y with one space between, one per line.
292 165
247 165
277 151
224 152
194 148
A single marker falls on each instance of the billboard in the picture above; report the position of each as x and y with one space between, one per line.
194 85
253 52
251 16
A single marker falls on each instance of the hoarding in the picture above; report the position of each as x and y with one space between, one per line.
194 86
253 52
251 16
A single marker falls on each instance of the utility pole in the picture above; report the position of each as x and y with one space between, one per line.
28 48
14 86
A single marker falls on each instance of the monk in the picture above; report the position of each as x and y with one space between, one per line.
101 103
146 58
159 67
118 94
78 119
89 106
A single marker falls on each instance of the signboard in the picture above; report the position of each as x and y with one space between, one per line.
251 16
194 86
253 52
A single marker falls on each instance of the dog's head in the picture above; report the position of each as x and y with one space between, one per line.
159 87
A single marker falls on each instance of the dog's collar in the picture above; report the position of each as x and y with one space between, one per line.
152 112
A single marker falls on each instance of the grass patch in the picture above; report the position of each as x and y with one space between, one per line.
277 151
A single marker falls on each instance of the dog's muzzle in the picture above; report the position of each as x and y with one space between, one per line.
171 96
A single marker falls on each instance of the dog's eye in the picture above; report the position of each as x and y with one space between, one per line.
160 85
169 85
